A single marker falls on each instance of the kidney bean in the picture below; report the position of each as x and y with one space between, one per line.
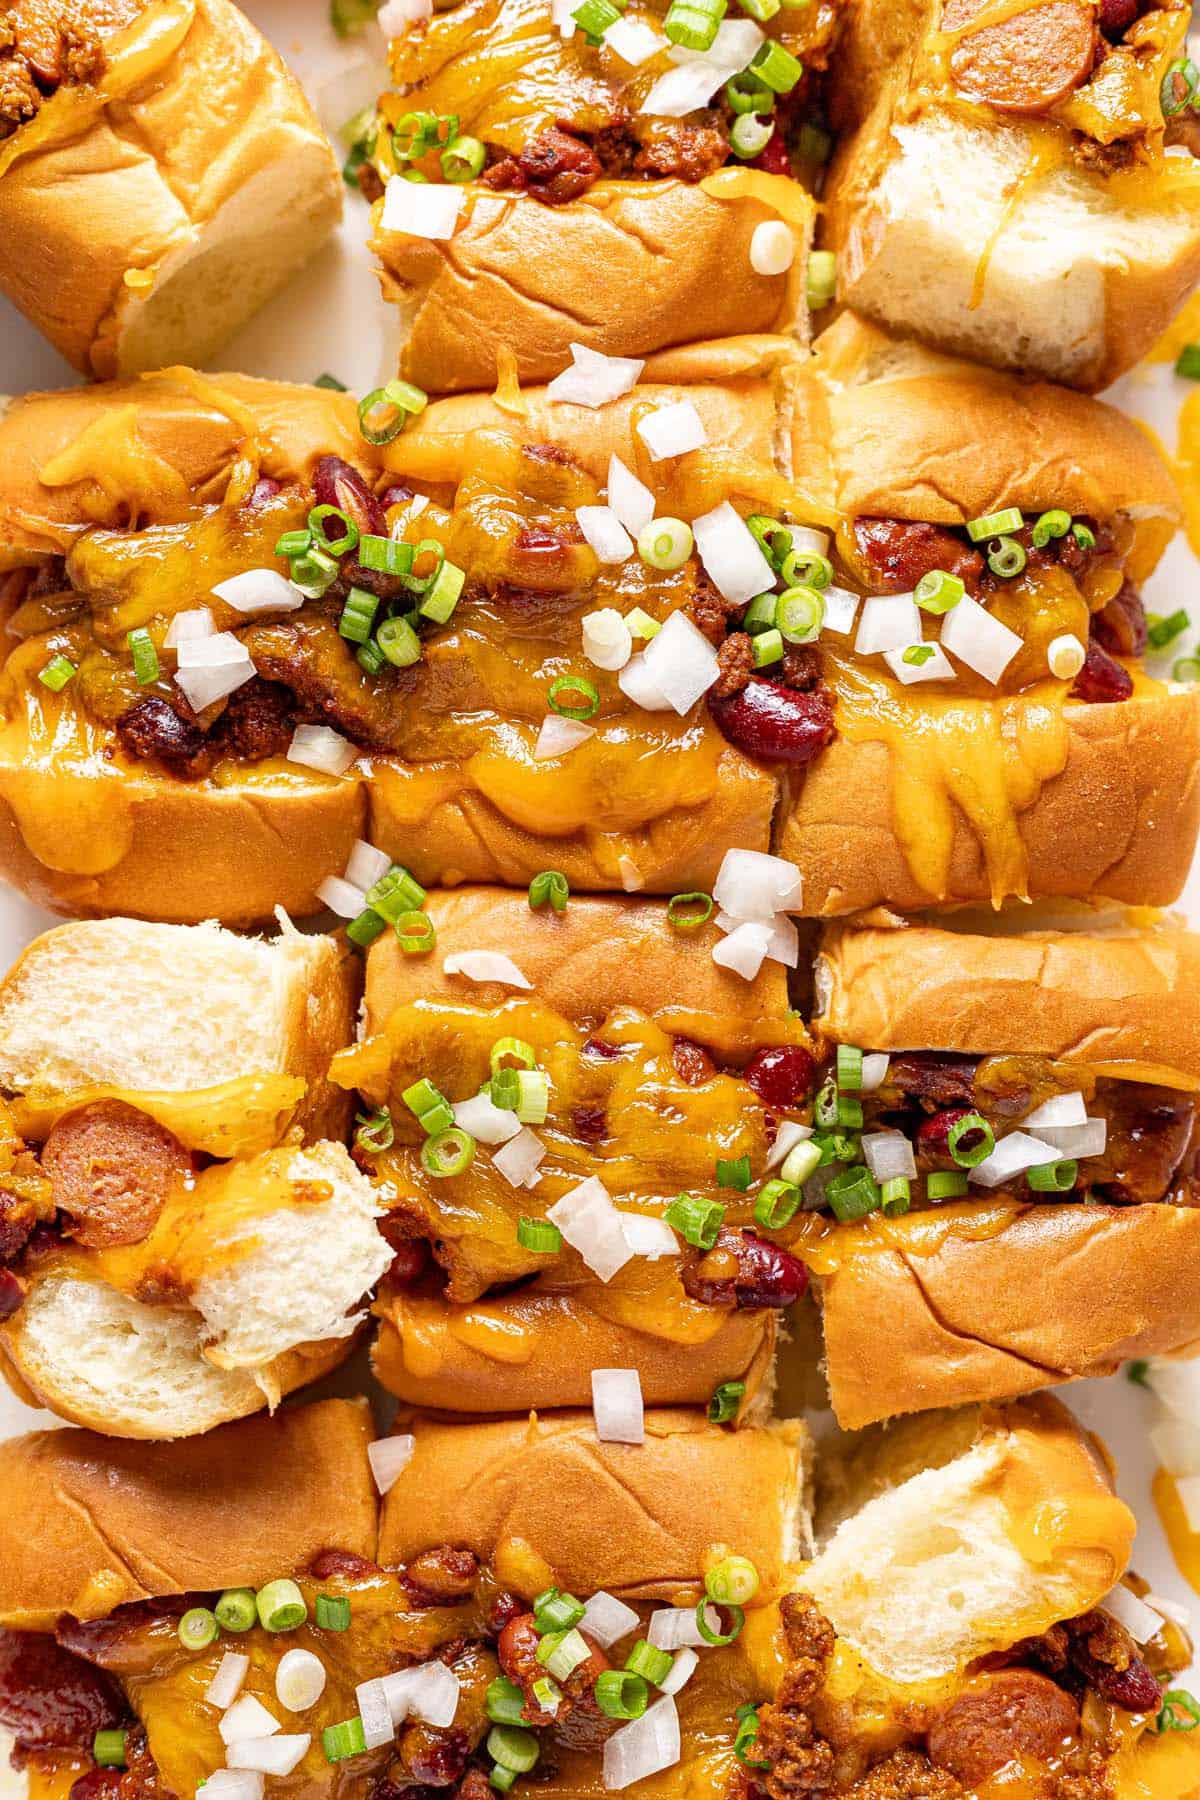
98 1784
775 722
767 1275
1116 16
264 489
589 1123
441 1577
1102 680
601 1051
1133 1689
12 1294
693 1064
1120 627
781 1076
436 1757
899 551
336 483
327 1563
503 1610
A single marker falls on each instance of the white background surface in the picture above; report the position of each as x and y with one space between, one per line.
333 319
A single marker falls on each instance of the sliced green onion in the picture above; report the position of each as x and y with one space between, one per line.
734 1173
776 66
692 24
539 1236
697 1220
1162 631
917 655
825 1106
750 134
687 912
732 1582
747 1737
547 1693
1186 668
513 1748
1084 536
1180 1711
725 1401
145 656
280 1606
1053 524
399 642
314 573
415 933
442 595
375 1133
746 93
504 1701
370 657
533 1096
385 555
236 1610
562 1652
502 1779
364 929
945 1184
1005 557
718 1639
463 160
771 535
849 1074
801 614
807 568
897 1196
448 1153
648 1661
358 615
813 143
1137 1371
386 410
767 648
801 1161
621 1695
821 278
415 134
586 702
346 538
776 1204
969 1156
938 590
550 888
512 1053
663 544
423 1099
1188 362
343 1740
108 1749
760 614
293 543
1178 86
1054 1178
56 674
326 380
395 893
640 624
997 524
332 1612
504 1089
853 1194
556 1611
198 1628
595 17
762 10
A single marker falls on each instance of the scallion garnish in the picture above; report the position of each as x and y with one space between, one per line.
725 1401
573 696
56 674
1054 1178
358 615
648 1661
375 1132
398 642
451 1152
198 1628
687 912
145 656
1006 558
1162 631
1053 524
938 590
972 1126
332 1612
945 1184
549 887
539 1236
734 1173
386 410
621 1694
235 1610
415 933
997 524
776 1204
697 1220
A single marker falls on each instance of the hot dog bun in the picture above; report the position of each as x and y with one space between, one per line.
149 211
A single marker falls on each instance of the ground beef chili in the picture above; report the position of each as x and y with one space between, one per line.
48 44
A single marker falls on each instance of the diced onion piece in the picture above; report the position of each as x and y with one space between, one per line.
521 1158
840 607
605 533
561 14
559 736
342 897
731 557
633 41
299 1680
607 639
629 498
632 879
375 1712
1060 1109
605 1619
647 1236
320 747
643 1747
226 1684
1177 1445
591 1224
617 1406
887 622
985 644
1177 1385
429 1692
389 1457
259 590
233 1784
246 1718
366 865
784 944
635 683
772 248
593 378
424 209
1088 1139
684 90
810 537
889 1154
197 622
1188 1489
1065 657
395 16
675 1627
208 668
269 1755
485 965
735 43
751 884
672 430
935 667
1140 1621
744 950
874 1071
787 1137
490 1124
681 662
680 1672
1012 1156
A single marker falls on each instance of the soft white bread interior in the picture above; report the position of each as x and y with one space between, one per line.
954 1534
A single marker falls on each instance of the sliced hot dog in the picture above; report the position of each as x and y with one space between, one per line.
110 1169
1024 63
1019 1714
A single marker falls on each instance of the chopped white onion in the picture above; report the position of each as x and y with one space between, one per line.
731 557
299 1680
1140 1621
374 1709
684 90
647 1236
605 533
208 668
744 950
259 590
681 662
1012 1156
888 1154
485 965
197 622
1188 1489
1060 1109
675 1627
489 1123
680 1672
811 537
559 736
246 1718
1065 657
629 498
1177 1445
521 1158
632 879
644 1746
985 644
607 639
635 683
605 1619
874 1071
936 666
424 209
840 608
633 41
735 43
1177 1385
428 1692
772 248
591 1224
1088 1139
751 884
320 747
269 1755
366 865
561 14
395 16
617 1406
784 944
672 430
887 622
342 897
232 1784
226 1684
389 1457
787 1137
593 378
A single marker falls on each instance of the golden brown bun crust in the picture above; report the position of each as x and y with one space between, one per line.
535 279
332 1011
543 1497
1120 821
601 953
991 1299
427 1352
193 119
119 1522
1131 1003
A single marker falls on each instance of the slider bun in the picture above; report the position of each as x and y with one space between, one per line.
992 1298
632 268
543 1499
1121 1002
600 954
193 163
1119 821
956 1534
436 1355
285 1272
118 1522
